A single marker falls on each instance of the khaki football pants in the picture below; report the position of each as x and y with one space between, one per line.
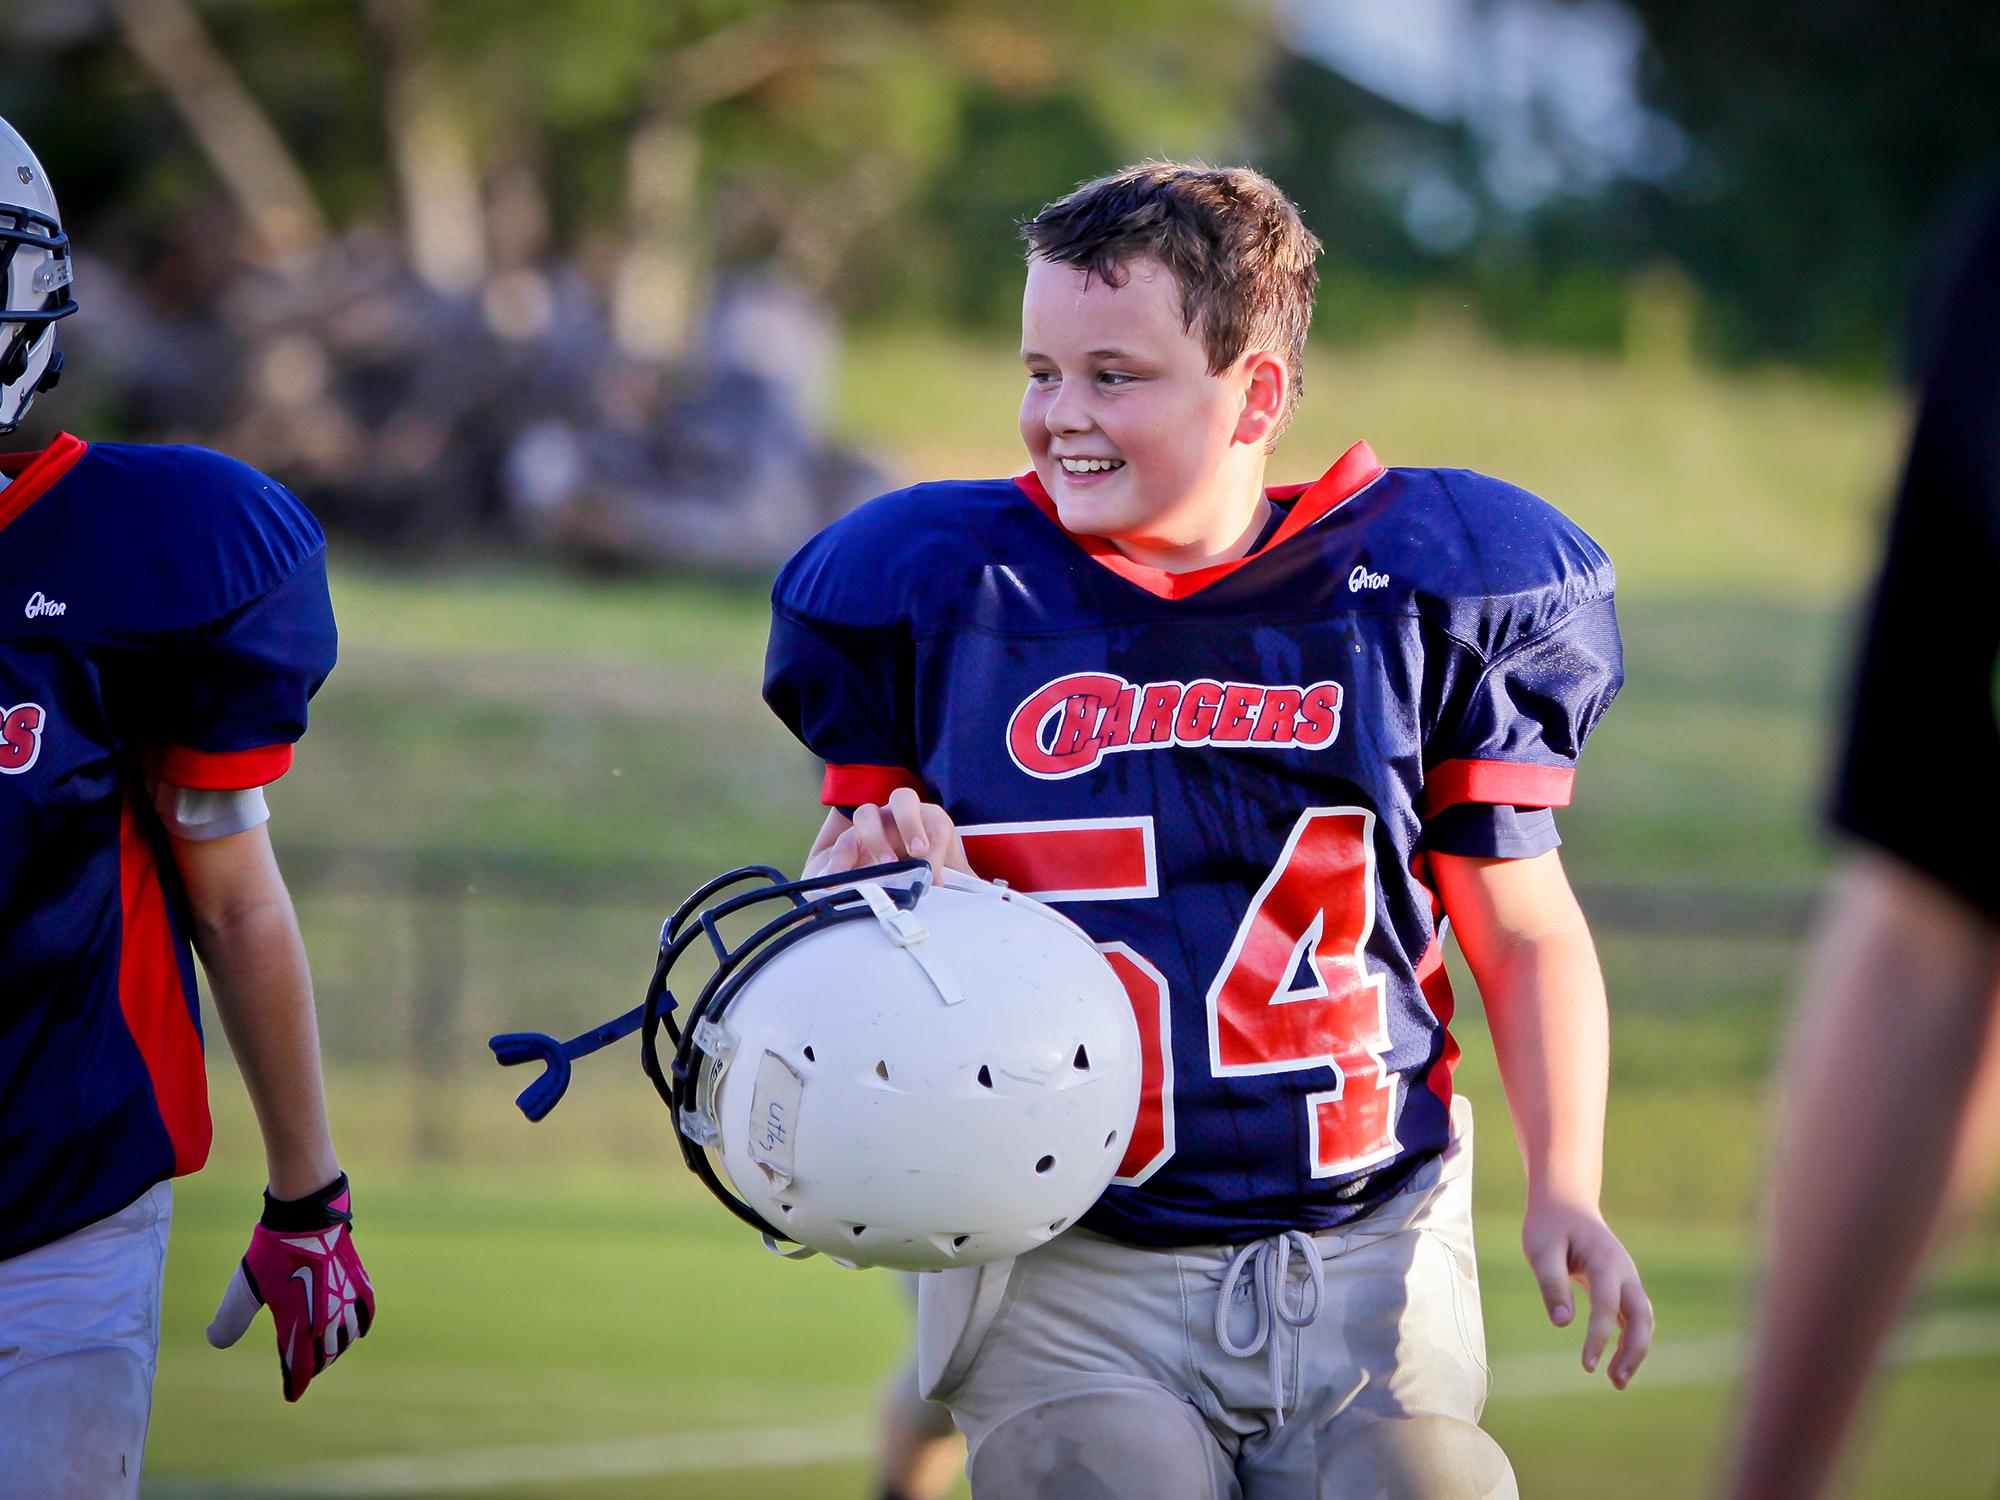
1092 1370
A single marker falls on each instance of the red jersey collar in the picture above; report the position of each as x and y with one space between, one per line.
1352 473
31 474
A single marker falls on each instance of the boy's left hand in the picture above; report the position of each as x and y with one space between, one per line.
1568 1243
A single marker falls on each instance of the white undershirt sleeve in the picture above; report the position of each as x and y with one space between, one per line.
196 814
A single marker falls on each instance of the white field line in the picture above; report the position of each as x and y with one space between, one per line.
1521 1377
472 1469
1718 1357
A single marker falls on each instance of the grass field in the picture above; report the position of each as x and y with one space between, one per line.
565 1314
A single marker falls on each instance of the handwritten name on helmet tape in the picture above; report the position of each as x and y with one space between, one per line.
1067 726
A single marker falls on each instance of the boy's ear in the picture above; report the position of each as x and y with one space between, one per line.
1266 389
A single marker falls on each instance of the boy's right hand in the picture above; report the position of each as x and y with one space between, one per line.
904 827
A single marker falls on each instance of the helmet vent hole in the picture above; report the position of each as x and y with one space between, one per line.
1081 1062
809 1055
1059 1226
1111 1140
1046 1164
985 1076
858 1230
784 1208
958 1241
882 1069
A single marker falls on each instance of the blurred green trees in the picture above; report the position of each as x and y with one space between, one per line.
880 150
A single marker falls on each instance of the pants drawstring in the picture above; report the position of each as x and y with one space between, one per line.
1267 1263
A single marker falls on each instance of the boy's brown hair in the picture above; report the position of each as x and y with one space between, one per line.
1239 252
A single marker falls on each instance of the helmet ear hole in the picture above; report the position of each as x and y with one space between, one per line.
1045 1165
1081 1062
985 1076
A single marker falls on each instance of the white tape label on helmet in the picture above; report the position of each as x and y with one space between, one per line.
774 1117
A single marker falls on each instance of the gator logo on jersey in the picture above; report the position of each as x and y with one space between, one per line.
20 738
1067 726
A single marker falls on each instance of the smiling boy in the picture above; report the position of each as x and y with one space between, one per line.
1260 743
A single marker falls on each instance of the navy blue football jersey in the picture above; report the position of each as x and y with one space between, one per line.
163 613
1231 778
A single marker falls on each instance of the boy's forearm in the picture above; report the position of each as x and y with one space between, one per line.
1545 1005
257 974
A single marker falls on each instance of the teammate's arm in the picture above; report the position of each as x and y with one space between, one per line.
301 1262
248 940
1530 952
904 827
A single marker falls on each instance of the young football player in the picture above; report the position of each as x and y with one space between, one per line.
1260 742
163 620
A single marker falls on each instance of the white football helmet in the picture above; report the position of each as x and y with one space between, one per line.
34 278
896 1073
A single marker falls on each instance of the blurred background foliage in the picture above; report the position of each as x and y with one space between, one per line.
500 273
1556 163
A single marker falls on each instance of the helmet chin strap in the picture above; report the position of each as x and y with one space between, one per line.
910 934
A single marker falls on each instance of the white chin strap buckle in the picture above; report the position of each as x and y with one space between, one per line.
909 934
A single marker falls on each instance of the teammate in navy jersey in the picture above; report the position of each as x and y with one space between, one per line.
163 621
1259 743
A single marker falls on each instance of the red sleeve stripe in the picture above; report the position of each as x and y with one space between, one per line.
850 786
1085 859
1504 782
224 770
154 1000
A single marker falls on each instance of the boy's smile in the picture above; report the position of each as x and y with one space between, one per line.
1132 437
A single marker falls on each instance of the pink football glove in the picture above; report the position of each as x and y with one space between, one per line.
303 1266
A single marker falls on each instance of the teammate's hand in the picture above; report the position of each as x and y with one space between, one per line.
904 827
1568 1244
302 1264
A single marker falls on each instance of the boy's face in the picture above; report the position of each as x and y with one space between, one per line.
1114 378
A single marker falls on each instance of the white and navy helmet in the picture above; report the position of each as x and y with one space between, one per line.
34 277
888 1071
